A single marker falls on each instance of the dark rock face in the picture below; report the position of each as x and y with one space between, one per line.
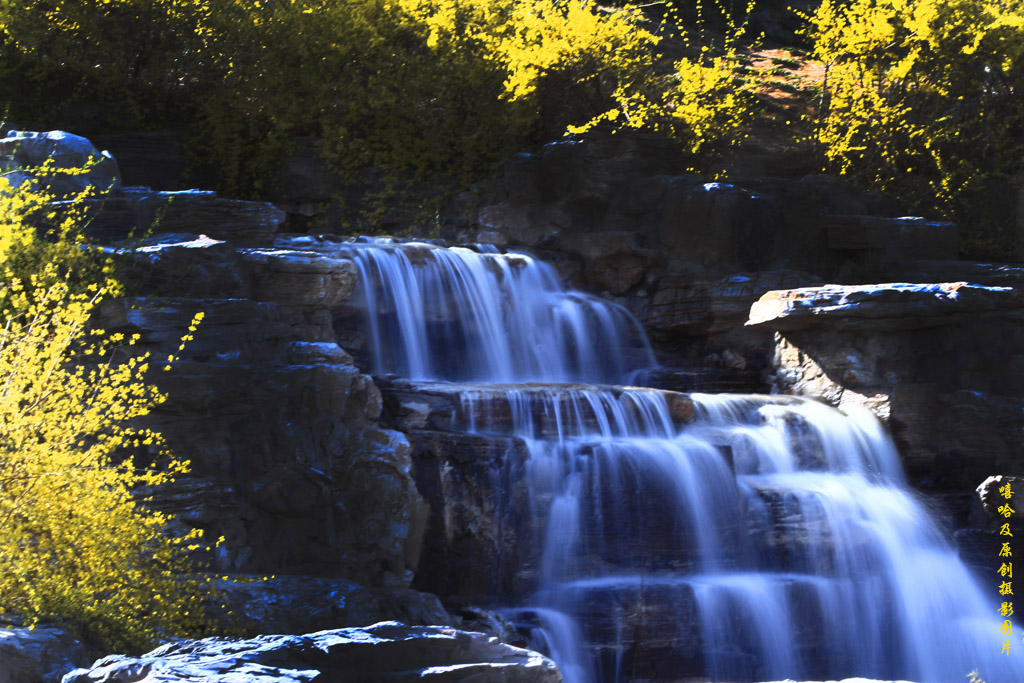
618 215
603 195
477 547
684 307
137 210
289 463
153 159
299 604
387 651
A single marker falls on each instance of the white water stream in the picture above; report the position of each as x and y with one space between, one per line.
761 538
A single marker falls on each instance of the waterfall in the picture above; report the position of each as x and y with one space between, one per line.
459 314
710 537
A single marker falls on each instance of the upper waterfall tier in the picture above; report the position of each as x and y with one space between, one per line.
462 315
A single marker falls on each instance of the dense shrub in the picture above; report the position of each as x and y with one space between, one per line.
74 542
431 89
434 89
133 55
924 98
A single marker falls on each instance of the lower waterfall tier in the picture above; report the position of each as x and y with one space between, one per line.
643 534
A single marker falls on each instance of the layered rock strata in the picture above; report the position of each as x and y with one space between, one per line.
387 651
289 463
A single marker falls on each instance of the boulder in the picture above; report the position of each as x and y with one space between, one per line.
387 651
300 278
74 163
991 494
184 265
685 307
892 306
44 653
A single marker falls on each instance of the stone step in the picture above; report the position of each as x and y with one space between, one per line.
136 211
494 408
887 306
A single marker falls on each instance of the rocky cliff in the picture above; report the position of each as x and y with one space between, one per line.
307 466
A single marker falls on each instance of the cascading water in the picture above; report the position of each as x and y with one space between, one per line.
457 314
711 537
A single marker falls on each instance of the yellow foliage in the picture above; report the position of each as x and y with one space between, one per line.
36 231
74 542
435 90
710 106
923 97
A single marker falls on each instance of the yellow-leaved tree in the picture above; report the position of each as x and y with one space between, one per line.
396 92
923 98
75 543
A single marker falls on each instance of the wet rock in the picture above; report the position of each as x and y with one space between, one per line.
388 651
992 491
491 408
480 541
44 653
